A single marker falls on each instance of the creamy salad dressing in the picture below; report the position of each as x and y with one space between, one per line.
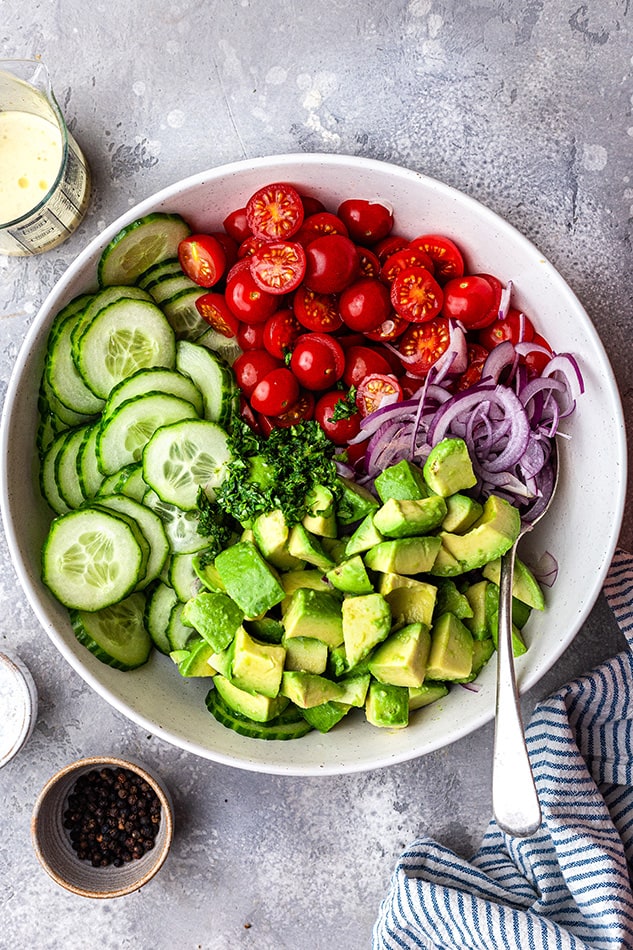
30 159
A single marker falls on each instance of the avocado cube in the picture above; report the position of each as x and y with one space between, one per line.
490 536
354 502
320 516
401 659
306 653
461 513
215 616
448 468
366 622
256 667
451 654
306 546
451 599
339 666
387 706
350 576
293 580
326 716
222 661
254 706
412 604
482 651
403 480
206 572
355 688
518 644
404 555
265 628
308 689
429 692
478 622
248 579
314 613
445 565
365 536
407 518
196 662
270 533
525 586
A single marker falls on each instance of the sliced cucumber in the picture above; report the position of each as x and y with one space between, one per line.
289 724
67 468
183 578
116 635
152 528
213 377
63 376
178 633
154 380
126 336
134 485
172 286
180 459
114 484
101 300
90 476
163 270
48 480
183 315
180 526
226 347
66 417
160 602
138 246
124 434
91 559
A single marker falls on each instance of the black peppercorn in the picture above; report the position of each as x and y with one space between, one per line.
107 817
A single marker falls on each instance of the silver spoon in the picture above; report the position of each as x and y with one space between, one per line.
515 801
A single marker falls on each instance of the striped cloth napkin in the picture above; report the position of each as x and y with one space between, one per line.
567 887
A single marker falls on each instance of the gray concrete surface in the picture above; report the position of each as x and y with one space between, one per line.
524 104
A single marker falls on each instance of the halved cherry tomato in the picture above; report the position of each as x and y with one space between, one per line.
249 245
278 267
251 367
373 391
236 225
275 212
331 263
366 221
316 225
250 336
472 300
365 304
279 333
316 311
368 263
393 327
388 246
317 361
303 409
405 257
477 356
416 295
277 392
202 259
339 431
423 344
537 360
362 361
213 308
246 300
446 255
515 327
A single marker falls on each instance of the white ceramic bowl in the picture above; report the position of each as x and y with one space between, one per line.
581 529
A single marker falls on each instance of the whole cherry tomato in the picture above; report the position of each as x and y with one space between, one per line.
339 422
365 304
246 300
202 259
279 333
277 392
250 336
537 360
236 225
472 300
251 367
331 263
366 221
515 327
362 361
317 361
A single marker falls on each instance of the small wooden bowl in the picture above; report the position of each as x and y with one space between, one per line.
52 843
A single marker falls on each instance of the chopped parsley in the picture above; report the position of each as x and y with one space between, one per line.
346 406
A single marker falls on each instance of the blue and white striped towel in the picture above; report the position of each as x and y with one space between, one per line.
567 887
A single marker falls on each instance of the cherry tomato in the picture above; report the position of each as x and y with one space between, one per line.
311 205
416 295
477 356
250 336
202 259
213 308
246 300
316 311
249 245
373 391
515 327
236 225
316 225
445 254
277 392
405 257
365 304
393 327
361 361
536 361
317 361
339 431
368 263
279 333
423 344
278 267
331 263
366 221
472 300
247 414
229 245
388 246
251 367
303 409
275 212
238 267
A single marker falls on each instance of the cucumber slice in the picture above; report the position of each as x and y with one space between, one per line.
163 270
178 633
91 559
213 377
180 526
180 459
183 578
160 602
138 246
48 480
90 477
172 286
124 337
226 347
67 469
134 485
63 376
152 528
289 724
124 434
67 418
116 635
114 484
101 300
183 315
154 380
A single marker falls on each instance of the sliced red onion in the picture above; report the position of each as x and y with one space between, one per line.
545 569
504 303
500 358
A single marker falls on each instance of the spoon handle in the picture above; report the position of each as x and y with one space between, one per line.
514 798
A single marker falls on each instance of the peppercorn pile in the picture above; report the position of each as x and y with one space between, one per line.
112 817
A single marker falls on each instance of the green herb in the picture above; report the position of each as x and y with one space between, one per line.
346 406
214 524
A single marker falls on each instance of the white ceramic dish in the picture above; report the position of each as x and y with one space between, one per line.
581 529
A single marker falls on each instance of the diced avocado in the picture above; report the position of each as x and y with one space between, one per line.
412 604
401 659
366 622
255 706
339 666
448 468
247 535
461 513
451 655
520 613
309 689
221 662
390 581
314 613
293 580
451 599
365 536
270 534
429 692
403 480
178 656
350 576
306 653
408 517
335 548
326 716
482 651
215 616
387 705
265 628
207 572
445 565
478 622
249 580
525 586
305 545
518 644
256 666
196 662
490 537
354 688
320 516
354 502
404 555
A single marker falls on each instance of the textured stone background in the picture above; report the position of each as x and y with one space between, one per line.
523 104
